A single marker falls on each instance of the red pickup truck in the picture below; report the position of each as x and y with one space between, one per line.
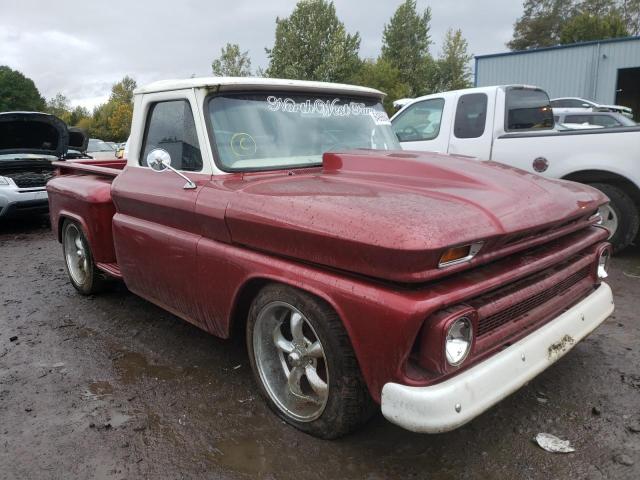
432 285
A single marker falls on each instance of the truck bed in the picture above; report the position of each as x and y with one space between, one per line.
81 191
110 168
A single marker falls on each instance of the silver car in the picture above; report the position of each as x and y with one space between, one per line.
29 142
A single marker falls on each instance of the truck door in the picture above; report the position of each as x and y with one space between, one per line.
423 126
472 132
155 228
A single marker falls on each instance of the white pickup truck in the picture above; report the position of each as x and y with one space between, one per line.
514 125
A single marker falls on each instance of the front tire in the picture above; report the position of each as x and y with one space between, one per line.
304 364
621 216
78 260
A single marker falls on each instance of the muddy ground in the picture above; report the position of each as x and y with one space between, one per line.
113 387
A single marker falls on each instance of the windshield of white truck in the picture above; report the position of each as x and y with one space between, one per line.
272 131
527 109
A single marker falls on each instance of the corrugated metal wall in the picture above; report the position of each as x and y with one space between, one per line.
589 70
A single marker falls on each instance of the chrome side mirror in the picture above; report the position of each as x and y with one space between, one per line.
159 160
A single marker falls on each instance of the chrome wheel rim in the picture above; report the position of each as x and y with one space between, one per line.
291 362
609 219
76 255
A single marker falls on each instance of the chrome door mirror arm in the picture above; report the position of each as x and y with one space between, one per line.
159 160
190 185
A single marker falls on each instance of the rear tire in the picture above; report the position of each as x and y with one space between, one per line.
625 212
304 364
78 260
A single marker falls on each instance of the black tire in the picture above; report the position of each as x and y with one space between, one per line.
349 404
95 280
627 212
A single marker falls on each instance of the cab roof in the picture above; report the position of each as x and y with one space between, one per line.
255 83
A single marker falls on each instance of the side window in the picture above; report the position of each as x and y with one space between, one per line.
605 121
471 115
578 119
170 126
576 104
527 109
420 121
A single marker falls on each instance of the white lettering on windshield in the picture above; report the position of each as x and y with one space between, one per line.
326 108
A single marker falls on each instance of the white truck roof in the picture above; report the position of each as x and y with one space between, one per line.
256 83
455 93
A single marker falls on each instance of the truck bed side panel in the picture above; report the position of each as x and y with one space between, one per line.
612 150
86 199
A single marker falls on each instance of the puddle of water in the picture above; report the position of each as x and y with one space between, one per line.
132 367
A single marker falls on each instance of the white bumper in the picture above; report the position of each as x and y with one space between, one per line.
454 402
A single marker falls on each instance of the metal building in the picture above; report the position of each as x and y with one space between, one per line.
606 71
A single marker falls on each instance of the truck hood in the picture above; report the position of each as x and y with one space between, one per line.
391 215
36 133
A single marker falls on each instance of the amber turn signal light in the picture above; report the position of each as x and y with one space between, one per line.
455 253
459 254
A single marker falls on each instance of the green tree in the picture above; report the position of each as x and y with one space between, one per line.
382 75
78 115
60 107
99 127
405 45
111 121
119 121
453 64
313 44
551 22
540 24
18 92
122 92
232 62
588 26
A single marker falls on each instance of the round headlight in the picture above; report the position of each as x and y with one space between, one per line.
458 341
603 263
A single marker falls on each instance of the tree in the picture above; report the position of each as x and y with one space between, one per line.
551 22
119 121
630 11
60 107
18 92
405 45
122 92
313 44
112 120
540 23
587 26
453 70
382 75
232 62
78 115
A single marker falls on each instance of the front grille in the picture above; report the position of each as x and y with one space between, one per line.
31 179
529 234
515 312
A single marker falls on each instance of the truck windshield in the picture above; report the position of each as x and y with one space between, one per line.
272 131
527 109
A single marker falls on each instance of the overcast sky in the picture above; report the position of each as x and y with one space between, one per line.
80 48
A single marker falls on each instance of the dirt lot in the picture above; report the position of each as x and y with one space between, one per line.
113 387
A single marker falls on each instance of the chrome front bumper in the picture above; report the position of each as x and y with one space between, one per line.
454 402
